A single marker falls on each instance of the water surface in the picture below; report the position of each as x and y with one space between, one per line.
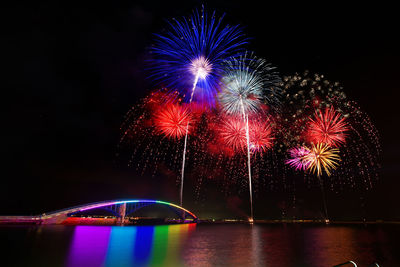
291 245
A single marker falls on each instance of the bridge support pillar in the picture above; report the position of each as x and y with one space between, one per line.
183 215
122 213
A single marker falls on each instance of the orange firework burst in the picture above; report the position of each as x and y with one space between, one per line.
322 157
328 128
172 120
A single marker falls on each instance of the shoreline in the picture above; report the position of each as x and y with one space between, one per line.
6 220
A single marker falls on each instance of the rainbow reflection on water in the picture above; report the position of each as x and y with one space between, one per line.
284 245
128 246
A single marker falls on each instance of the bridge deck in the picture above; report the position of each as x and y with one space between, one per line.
60 216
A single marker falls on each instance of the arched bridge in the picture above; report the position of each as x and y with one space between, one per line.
120 209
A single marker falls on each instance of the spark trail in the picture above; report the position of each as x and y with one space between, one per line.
196 79
248 82
246 119
194 46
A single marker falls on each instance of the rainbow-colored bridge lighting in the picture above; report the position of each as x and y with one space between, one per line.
109 203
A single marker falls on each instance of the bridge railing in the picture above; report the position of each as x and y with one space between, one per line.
84 205
70 208
354 264
109 203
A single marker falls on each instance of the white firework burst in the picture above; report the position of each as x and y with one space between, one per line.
248 82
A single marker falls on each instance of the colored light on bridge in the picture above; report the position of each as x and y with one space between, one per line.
105 204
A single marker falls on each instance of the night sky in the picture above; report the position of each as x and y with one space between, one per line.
71 71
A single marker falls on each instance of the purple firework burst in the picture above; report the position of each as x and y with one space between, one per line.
297 160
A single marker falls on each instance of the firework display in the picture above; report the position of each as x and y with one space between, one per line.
191 52
261 136
298 158
233 132
317 111
190 55
248 82
239 123
322 157
172 120
327 127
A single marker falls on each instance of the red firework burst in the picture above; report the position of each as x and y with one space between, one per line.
260 133
327 127
233 133
172 120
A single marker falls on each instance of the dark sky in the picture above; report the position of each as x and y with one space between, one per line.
71 71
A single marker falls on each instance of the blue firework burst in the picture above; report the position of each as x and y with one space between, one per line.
191 52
